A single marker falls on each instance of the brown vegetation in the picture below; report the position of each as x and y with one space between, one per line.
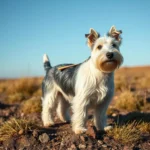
129 113
15 127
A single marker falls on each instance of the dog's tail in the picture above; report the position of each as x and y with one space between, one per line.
46 63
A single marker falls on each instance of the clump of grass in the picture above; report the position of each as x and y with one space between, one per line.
31 105
15 127
38 92
128 133
129 101
26 86
144 127
3 86
121 83
15 98
18 90
143 82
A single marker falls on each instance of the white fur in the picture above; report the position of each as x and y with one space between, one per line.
45 58
54 100
91 93
48 105
93 89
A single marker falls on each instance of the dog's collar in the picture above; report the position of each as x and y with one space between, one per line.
66 67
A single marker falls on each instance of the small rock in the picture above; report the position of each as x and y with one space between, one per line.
106 139
73 146
23 143
10 144
126 148
21 132
100 142
104 145
44 138
62 143
82 138
114 114
90 147
91 131
81 146
108 128
35 133
22 114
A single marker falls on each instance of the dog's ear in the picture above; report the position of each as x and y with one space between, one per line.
92 37
113 32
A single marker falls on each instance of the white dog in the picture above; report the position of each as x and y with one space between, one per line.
86 85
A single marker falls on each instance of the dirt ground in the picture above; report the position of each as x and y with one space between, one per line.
133 81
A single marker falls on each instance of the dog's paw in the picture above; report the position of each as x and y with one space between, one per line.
80 130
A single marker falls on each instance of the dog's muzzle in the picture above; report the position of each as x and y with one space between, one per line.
108 65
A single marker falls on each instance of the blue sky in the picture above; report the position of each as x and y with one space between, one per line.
30 28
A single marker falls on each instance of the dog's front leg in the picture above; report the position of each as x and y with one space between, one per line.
79 117
100 116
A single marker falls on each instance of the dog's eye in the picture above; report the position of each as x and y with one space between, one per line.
100 47
114 45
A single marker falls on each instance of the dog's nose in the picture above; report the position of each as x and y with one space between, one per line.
109 55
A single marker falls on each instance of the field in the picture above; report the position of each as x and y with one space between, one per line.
129 114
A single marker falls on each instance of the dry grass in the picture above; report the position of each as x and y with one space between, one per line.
121 83
31 105
15 127
144 127
18 90
15 98
27 91
3 86
137 77
128 133
27 86
129 101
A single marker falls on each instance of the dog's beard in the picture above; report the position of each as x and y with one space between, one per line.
108 66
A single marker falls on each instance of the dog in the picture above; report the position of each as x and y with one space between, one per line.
83 86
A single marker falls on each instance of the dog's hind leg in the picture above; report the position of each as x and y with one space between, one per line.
63 108
49 103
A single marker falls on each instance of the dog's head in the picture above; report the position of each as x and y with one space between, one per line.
105 52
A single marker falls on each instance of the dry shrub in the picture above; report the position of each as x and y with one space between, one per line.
31 105
126 78
18 90
144 127
143 82
3 86
129 101
26 86
15 98
15 127
121 83
38 92
128 133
